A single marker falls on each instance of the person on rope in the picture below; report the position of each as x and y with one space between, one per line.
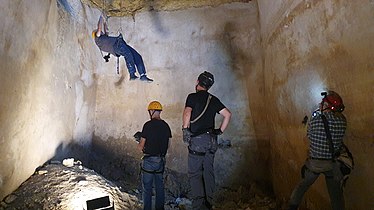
118 47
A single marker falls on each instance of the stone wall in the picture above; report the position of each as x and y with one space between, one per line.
271 60
47 85
311 46
176 47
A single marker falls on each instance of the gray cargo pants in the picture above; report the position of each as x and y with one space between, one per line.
333 177
201 171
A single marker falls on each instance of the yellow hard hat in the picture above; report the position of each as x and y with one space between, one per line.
94 34
155 105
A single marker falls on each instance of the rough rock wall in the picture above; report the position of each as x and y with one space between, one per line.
47 88
176 47
122 8
310 46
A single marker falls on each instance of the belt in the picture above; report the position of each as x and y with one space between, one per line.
197 153
200 133
154 171
314 158
148 155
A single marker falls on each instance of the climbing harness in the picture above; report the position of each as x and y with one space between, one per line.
161 168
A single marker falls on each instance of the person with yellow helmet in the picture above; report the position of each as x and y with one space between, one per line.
118 47
154 143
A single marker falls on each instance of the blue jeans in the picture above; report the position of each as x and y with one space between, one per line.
333 178
152 173
132 57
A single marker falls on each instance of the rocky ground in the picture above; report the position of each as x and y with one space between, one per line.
69 185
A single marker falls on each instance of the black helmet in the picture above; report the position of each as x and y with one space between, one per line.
206 79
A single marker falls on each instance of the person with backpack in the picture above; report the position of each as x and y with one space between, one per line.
154 143
201 136
325 132
118 47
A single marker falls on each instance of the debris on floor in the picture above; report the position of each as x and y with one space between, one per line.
69 185
55 186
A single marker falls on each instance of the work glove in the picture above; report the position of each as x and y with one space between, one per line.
186 135
217 131
138 136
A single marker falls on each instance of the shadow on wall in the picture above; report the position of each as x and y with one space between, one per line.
64 4
101 159
124 170
156 19
119 168
257 154
237 57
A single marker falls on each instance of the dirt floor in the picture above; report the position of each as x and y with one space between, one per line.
69 185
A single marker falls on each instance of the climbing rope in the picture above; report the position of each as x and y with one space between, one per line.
103 14
104 7
119 31
118 65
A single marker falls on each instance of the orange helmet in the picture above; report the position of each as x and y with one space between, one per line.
94 34
155 105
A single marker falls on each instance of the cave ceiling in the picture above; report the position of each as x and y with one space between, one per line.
121 8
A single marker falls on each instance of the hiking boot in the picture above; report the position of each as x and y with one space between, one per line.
133 77
293 207
145 78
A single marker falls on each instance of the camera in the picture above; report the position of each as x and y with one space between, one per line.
106 58
138 136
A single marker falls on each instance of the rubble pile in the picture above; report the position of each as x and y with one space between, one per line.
68 185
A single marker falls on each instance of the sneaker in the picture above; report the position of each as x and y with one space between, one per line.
133 77
145 79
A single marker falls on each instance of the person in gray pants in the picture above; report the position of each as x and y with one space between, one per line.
322 151
201 136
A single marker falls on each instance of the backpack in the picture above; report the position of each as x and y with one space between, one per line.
346 162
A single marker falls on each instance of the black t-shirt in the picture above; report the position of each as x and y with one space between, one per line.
157 134
197 101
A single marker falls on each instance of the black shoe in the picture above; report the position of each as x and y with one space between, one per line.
293 207
133 77
145 79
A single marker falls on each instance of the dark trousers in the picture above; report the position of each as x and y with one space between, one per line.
152 174
333 179
201 173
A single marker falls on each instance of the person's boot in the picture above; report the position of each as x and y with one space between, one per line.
145 78
292 207
133 76
208 205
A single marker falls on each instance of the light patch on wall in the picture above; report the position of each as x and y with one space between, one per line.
87 78
81 113
304 90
